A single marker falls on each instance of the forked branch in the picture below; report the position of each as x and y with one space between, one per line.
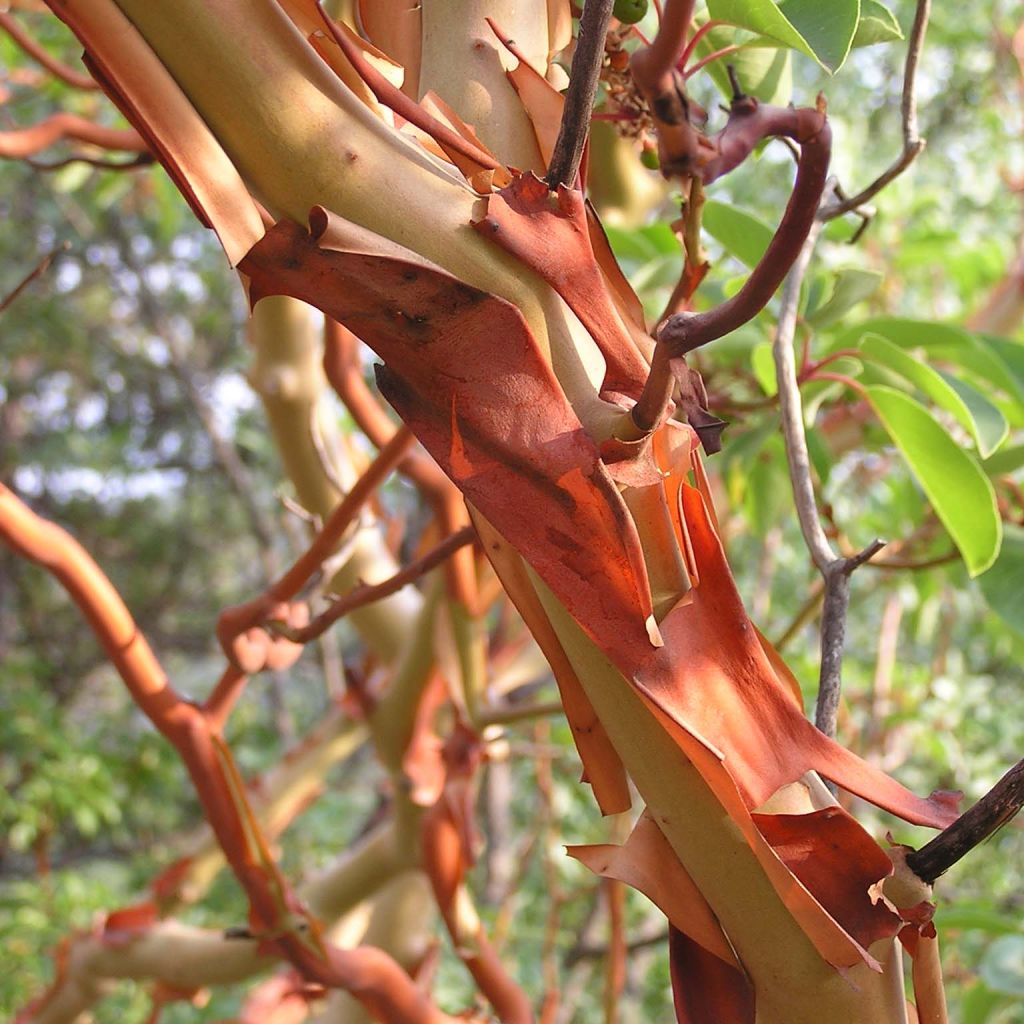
913 144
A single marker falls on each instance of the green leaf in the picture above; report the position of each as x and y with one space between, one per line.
979 1003
852 286
1005 461
1002 584
991 426
829 35
828 28
948 342
988 428
1002 967
960 493
741 234
762 362
877 25
977 916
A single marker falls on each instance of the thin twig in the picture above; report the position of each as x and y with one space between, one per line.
808 611
69 76
912 141
579 97
835 571
510 714
40 268
367 593
232 622
134 164
973 827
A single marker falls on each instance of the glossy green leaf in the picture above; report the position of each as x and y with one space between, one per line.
1003 584
829 34
991 428
979 417
1005 461
852 285
960 493
741 234
945 341
1002 967
877 25
977 917
828 28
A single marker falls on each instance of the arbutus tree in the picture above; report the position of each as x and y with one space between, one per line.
420 174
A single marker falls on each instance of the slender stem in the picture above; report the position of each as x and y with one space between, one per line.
912 141
579 98
807 612
69 76
833 640
143 160
40 268
707 27
792 413
669 46
685 332
224 696
704 61
835 571
973 827
234 621
366 594
653 403
511 714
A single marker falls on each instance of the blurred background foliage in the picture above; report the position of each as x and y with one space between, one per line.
125 415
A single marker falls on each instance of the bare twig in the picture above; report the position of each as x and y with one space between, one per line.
61 127
973 827
69 76
579 98
912 141
40 268
135 163
368 593
808 611
835 570
233 622
526 712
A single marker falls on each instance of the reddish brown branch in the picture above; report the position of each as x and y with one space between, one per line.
447 836
373 977
69 76
20 143
368 593
749 123
235 625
